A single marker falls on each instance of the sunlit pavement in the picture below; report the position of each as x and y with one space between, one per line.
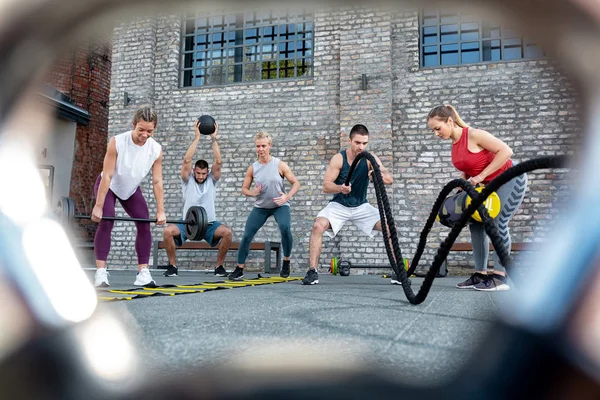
359 318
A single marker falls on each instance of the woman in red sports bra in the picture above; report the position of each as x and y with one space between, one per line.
481 157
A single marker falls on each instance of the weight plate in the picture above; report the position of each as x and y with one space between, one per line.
336 262
71 211
66 210
196 230
192 228
344 268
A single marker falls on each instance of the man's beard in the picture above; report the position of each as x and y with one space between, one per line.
198 182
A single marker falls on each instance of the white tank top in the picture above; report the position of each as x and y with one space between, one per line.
133 164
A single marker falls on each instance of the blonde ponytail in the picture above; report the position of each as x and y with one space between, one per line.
444 112
457 119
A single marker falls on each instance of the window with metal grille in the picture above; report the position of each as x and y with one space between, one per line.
452 38
225 48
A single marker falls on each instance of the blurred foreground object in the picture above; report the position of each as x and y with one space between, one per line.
57 349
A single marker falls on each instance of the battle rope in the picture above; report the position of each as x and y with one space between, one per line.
478 198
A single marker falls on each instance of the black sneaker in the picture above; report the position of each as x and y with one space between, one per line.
494 283
171 271
220 271
237 274
311 278
285 269
473 280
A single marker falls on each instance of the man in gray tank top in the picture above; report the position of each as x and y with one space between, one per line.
198 188
349 203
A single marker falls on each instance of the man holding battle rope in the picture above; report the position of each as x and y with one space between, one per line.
349 202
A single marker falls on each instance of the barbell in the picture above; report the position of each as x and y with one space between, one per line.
195 219
343 267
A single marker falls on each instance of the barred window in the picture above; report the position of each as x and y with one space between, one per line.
224 48
452 38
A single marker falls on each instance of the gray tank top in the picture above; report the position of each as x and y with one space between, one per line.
268 176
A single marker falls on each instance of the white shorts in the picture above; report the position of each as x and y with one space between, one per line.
364 217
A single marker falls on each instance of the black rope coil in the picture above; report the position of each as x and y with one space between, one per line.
478 198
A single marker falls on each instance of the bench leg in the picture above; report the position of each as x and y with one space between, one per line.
267 257
278 257
155 254
443 270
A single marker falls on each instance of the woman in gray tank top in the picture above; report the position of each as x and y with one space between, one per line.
268 174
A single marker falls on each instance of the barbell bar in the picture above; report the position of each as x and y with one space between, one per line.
195 219
343 267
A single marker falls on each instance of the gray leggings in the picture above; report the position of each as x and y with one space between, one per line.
511 196
255 221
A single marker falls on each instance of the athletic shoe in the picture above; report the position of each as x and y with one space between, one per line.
285 269
237 274
396 281
171 270
311 278
473 280
220 271
495 283
101 278
143 278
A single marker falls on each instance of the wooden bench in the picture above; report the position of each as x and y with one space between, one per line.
513 247
267 247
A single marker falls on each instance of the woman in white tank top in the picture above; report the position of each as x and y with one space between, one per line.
129 158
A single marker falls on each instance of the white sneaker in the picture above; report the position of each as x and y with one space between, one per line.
143 278
396 281
101 278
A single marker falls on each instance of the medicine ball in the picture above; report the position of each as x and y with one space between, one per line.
207 124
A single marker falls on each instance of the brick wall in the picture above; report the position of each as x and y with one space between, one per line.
528 104
84 76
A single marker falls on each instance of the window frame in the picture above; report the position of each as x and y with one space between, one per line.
502 39
238 50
